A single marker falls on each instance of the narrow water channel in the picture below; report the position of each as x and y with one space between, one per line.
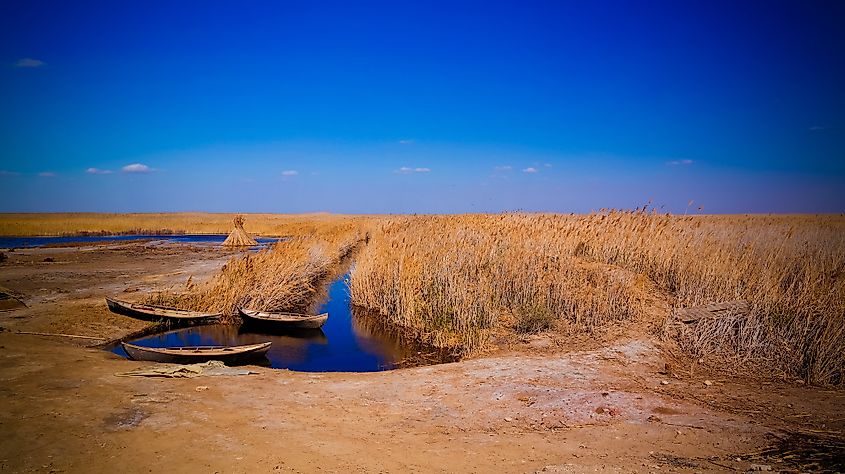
346 343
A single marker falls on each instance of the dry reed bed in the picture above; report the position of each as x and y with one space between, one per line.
160 223
282 278
453 278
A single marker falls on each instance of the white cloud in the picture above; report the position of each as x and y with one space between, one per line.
47 174
290 173
9 173
547 165
409 170
97 171
530 169
816 128
137 168
680 162
503 168
406 141
29 63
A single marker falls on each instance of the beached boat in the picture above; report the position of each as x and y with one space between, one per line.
157 313
283 320
189 355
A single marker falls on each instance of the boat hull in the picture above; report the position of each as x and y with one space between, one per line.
289 323
157 314
234 355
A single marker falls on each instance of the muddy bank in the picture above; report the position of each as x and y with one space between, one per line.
64 288
605 409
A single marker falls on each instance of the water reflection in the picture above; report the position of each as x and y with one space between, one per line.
347 342
372 330
289 348
373 336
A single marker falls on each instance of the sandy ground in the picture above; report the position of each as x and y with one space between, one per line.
610 409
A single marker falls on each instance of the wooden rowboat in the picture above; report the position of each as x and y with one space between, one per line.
157 313
189 355
284 320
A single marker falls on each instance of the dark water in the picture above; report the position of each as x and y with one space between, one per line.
347 342
24 242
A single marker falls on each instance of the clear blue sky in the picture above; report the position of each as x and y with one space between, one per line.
433 107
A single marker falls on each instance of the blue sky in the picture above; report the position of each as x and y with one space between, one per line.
371 107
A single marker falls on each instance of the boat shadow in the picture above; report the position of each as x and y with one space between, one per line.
314 336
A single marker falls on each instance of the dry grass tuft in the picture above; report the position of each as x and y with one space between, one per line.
534 320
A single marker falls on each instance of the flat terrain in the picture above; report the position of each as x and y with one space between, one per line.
33 224
535 408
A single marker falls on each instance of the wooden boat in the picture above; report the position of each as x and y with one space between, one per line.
157 313
189 355
718 310
283 320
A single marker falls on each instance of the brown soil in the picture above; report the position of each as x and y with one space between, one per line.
538 407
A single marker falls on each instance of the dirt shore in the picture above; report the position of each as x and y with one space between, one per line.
612 409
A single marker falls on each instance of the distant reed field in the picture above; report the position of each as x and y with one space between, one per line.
157 223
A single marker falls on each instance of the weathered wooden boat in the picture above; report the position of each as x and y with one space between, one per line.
157 313
713 311
188 355
283 320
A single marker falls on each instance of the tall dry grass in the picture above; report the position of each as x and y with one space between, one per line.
790 268
454 278
282 278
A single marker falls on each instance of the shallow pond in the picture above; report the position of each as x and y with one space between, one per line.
210 239
347 342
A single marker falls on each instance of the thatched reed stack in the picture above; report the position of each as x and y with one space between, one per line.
238 237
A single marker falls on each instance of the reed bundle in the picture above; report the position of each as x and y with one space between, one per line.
238 237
